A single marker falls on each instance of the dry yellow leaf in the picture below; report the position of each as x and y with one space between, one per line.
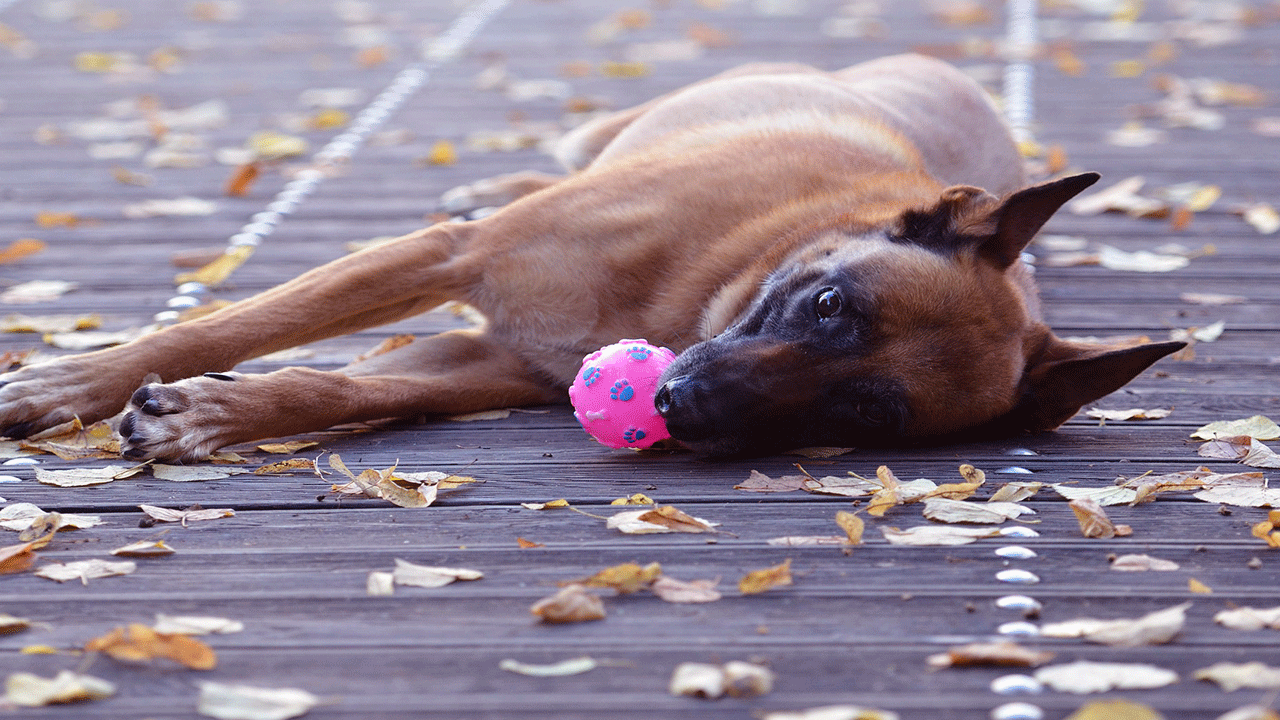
1198 587
287 466
888 496
758 581
1258 426
287 448
528 544
139 643
20 248
682 591
442 153
994 654
1094 522
17 558
1115 710
852 526
636 499
625 578
614 69
217 272
552 505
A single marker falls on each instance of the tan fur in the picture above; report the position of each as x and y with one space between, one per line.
674 215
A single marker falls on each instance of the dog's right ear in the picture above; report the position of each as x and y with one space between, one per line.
1023 213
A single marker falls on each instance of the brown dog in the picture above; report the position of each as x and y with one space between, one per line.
812 241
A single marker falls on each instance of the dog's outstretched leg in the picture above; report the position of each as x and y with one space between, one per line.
386 283
455 372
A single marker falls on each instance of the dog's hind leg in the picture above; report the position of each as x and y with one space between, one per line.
455 372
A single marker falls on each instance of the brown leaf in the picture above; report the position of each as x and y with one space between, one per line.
758 581
993 654
625 578
528 544
241 180
759 482
852 525
287 448
289 465
139 643
1093 520
20 248
571 603
888 496
17 558
76 442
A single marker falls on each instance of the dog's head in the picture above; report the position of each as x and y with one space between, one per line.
879 333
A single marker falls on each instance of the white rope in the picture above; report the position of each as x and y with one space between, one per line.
437 52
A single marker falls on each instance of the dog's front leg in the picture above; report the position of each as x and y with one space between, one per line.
454 372
379 285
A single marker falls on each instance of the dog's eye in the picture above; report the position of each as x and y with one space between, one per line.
826 304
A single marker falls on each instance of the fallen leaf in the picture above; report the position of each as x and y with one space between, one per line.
17 558
499 414
187 473
1155 628
852 525
216 272
1016 491
1083 677
759 482
139 643
42 324
564 668
852 486
1232 676
991 654
195 625
73 441
289 465
36 291
1142 563
144 548
1212 299
552 505
1259 427
830 712
176 207
1263 218
1121 197
407 573
962 511
19 517
1250 712
888 496
10 624
1240 489
1247 618
287 448
665 519
936 535
571 603
1133 414
634 499
625 578
974 478
1243 449
380 584
274 145
1093 520
193 514
242 179
735 678
1115 710
1198 587
1140 260
809 541
1269 529
758 581
89 340
85 570
81 477
528 544
21 248
227 701
819 453
681 591
30 690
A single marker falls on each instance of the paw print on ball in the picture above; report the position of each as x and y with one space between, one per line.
590 375
622 390
633 435
639 353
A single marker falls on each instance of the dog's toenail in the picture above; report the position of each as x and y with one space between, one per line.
219 376
126 425
141 395
134 453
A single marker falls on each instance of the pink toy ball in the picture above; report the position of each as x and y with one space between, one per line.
612 394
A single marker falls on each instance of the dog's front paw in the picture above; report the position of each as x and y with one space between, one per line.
183 421
38 397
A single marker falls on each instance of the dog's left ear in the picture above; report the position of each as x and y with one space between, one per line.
1066 376
1023 213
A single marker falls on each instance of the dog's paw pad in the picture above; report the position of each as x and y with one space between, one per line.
590 375
633 435
639 352
622 390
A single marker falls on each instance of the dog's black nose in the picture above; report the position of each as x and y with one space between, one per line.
663 400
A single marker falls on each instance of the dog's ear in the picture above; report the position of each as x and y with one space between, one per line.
1023 213
1066 376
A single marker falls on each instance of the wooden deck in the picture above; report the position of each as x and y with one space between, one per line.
857 624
